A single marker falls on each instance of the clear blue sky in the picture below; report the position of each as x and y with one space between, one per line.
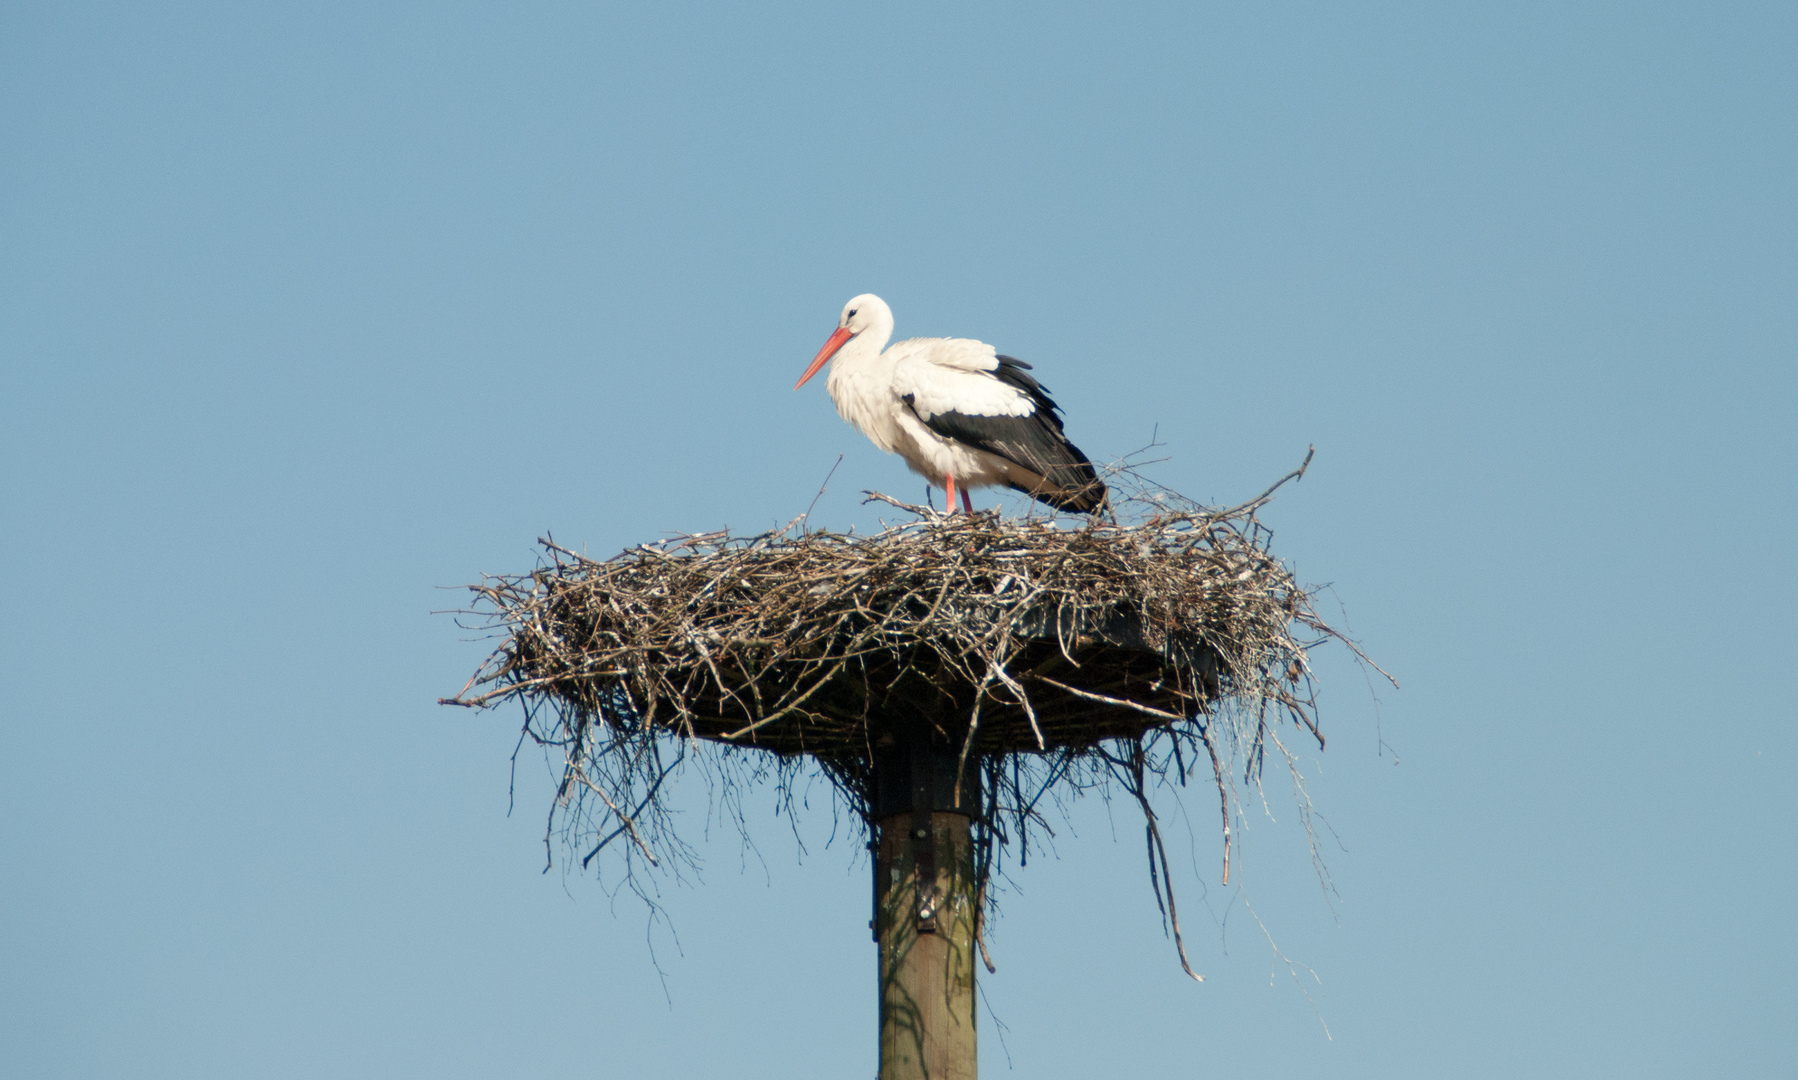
307 313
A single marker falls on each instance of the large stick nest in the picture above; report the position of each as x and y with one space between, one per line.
1046 658
1003 635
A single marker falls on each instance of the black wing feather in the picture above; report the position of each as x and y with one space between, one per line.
1034 442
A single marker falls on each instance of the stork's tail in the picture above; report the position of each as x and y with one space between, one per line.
1074 488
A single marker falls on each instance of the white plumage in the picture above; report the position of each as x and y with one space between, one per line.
954 409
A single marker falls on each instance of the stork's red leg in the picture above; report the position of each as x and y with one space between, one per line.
966 506
949 500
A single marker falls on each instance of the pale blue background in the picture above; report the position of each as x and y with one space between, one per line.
306 313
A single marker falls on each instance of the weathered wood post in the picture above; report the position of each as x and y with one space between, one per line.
925 907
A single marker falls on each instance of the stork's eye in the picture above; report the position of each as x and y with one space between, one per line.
852 314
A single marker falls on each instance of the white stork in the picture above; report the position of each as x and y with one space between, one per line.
958 413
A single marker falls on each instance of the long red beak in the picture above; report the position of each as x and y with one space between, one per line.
829 350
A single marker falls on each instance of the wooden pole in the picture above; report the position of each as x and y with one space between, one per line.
925 904
925 923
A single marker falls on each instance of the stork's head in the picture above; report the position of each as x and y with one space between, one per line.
866 313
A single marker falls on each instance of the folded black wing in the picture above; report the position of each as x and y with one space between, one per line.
1033 441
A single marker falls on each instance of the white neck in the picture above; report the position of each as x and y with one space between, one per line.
858 383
